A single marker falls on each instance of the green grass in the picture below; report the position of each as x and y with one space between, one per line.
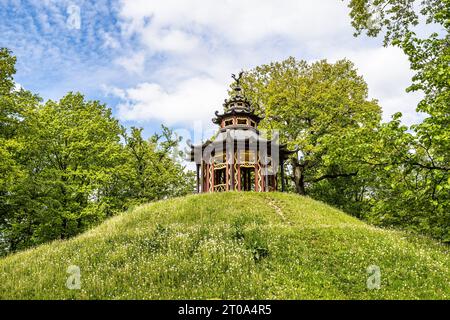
232 246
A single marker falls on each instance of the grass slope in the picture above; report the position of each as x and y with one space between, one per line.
231 245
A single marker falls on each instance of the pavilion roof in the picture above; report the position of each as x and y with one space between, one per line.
237 104
248 137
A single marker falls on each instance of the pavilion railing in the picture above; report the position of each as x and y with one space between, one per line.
220 187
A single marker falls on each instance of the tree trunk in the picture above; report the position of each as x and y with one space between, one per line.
299 178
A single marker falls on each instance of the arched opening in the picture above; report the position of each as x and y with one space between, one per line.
247 179
220 179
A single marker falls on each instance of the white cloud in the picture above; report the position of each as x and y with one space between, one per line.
133 63
171 60
237 22
195 45
387 73
109 41
189 101
175 41
114 91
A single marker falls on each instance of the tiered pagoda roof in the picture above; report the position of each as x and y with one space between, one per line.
237 105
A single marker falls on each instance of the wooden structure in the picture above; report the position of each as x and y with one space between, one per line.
238 158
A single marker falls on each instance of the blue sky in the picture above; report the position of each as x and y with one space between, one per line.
169 61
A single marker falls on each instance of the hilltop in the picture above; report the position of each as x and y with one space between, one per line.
231 245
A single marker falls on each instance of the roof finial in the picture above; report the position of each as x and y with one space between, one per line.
238 79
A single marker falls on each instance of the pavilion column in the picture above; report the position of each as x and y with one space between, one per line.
256 178
266 179
211 177
282 174
198 178
227 177
232 182
239 185
206 178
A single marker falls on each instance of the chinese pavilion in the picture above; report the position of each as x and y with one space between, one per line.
238 158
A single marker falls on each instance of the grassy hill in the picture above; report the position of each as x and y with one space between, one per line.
231 245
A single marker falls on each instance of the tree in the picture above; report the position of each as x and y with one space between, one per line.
14 105
404 193
72 149
316 108
429 57
154 170
67 165
419 167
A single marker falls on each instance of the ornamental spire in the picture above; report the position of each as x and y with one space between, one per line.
238 79
237 101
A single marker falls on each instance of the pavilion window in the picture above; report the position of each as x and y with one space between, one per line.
228 122
220 177
247 156
242 121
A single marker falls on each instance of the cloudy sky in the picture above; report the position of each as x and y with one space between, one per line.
169 61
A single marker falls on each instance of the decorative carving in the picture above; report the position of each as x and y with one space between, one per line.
220 187
220 166
259 176
248 164
238 79
211 174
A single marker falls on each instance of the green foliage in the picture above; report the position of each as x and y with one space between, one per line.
67 165
409 190
14 105
7 70
429 57
185 248
317 108
413 189
153 168
72 149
